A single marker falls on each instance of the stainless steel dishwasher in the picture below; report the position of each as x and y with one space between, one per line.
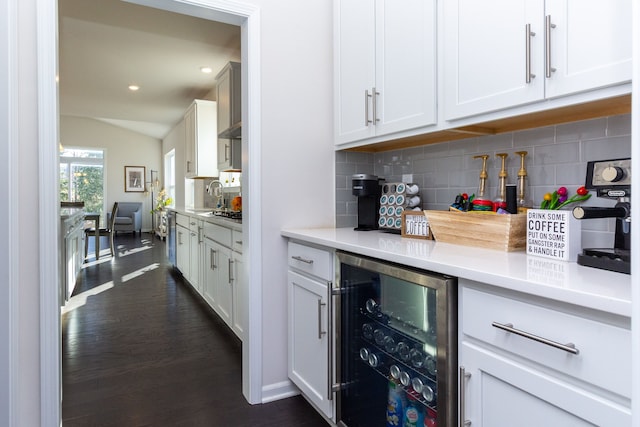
171 237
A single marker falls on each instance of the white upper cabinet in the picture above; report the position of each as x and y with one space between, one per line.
201 140
485 55
385 67
504 53
589 43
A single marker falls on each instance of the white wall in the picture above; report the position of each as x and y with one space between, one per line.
175 140
297 163
5 193
122 148
295 187
19 224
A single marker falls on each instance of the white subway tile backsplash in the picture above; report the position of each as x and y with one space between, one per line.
470 146
448 164
539 136
573 174
344 196
436 150
607 148
413 154
342 182
619 125
435 180
568 152
542 175
359 157
557 157
496 143
582 130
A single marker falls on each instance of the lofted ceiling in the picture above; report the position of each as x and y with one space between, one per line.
107 45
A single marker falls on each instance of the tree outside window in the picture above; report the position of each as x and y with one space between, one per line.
82 178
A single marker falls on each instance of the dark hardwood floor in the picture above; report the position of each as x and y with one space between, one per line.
141 349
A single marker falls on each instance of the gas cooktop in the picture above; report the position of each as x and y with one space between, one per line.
226 213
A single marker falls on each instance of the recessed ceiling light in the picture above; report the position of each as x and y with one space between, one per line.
134 88
206 70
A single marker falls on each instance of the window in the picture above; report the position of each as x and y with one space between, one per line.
170 176
82 177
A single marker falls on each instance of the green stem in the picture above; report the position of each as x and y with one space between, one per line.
574 199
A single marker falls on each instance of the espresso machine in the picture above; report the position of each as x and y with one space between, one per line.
367 188
610 179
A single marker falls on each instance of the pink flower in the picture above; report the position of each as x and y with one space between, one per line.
562 192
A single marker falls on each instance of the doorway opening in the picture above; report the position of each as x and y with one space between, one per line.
240 14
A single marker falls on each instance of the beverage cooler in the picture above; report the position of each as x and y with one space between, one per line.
395 345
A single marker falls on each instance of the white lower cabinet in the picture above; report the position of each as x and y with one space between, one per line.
183 261
309 324
524 361
223 276
224 292
195 254
239 313
209 273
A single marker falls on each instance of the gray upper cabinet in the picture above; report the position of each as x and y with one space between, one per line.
229 108
229 118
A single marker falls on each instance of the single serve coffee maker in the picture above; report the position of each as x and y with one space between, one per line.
611 179
367 188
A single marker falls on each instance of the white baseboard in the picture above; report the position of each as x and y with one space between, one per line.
277 391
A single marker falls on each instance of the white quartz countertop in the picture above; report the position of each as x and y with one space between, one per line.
66 213
562 281
207 215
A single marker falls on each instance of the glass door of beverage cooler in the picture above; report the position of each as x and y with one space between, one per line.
396 340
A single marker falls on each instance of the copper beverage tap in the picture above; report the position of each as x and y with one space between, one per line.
522 200
483 176
501 198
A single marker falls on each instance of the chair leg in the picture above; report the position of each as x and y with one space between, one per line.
111 244
86 246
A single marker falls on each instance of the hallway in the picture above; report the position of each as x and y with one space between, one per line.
140 349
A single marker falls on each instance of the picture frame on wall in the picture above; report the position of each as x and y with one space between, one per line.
134 179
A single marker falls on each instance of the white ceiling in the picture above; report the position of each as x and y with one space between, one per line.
106 45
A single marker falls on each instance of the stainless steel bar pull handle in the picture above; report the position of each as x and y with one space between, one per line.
375 105
528 34
508 327
366 108
464 376
547 48
299 258
330 342
231 278
211 264
320 331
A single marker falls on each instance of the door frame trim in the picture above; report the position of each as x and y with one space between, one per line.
245 15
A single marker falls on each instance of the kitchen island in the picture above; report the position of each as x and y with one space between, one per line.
70 256
534 334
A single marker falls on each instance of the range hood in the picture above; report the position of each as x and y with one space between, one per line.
232 132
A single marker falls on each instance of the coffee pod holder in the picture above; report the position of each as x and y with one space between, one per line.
396 198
